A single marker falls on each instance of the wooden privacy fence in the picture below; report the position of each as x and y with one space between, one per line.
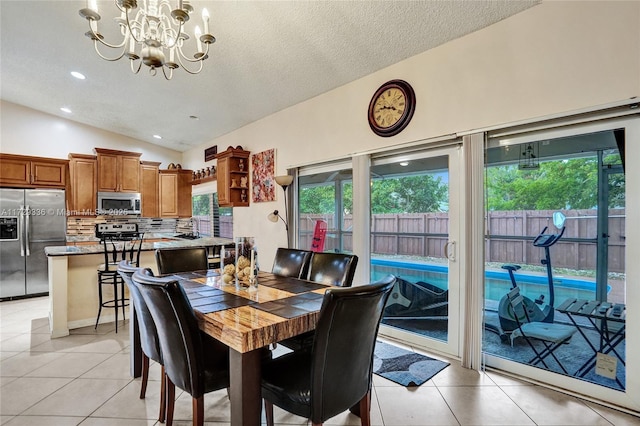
511 235
225 223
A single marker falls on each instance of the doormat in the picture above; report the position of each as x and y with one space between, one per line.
404 367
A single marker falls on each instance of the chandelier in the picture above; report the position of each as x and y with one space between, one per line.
153 35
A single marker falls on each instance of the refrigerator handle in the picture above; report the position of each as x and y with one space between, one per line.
27 231
21 236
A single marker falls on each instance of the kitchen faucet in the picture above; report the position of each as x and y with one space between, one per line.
195 226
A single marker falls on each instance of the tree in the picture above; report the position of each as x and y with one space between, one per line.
409 194
317 199
559 184
201 205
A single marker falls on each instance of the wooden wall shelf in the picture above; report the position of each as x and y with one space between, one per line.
203 180
232 169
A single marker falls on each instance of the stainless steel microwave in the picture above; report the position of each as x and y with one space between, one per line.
118 203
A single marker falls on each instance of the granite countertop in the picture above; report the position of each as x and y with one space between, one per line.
170 240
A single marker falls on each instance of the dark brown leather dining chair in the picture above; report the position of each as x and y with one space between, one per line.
291 262
183 259
148 334
335 269
193 361
331 378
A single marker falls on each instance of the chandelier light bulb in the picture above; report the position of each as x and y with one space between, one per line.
198 34
205 19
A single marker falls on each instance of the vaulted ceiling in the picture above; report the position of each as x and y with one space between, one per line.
268 56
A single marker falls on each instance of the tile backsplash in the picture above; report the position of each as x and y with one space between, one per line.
85 226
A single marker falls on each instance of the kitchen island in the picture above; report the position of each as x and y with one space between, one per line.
73 288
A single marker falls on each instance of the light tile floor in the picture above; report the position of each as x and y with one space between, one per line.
84 379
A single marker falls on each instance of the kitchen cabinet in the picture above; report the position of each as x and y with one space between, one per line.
175 193
118 171
33 172
149 188
233 178
83 171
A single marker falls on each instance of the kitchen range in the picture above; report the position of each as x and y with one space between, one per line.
30 220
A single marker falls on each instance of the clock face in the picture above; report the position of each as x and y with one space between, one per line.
391 108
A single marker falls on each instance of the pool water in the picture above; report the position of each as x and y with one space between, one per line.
497 283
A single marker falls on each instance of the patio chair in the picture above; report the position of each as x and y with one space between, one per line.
552 335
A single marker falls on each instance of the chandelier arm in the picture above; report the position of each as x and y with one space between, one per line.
187 69
181 55
96 36
186 58
95 44
130 29
134 70
164 71
167 25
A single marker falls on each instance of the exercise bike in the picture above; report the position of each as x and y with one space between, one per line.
535 311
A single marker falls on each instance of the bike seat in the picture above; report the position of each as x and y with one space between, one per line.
511 267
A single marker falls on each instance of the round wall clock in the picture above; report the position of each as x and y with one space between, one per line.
391 108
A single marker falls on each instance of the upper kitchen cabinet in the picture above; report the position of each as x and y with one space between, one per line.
233 178
175 193
118 171
149 188
83 170
32 172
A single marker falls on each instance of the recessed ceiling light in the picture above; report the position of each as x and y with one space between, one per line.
65 109
404 163
157 136
78 75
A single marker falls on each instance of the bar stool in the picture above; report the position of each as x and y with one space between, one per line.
116 248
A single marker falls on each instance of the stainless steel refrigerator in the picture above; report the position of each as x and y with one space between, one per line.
30 220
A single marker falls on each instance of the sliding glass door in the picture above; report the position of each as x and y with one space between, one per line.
414 236
556 233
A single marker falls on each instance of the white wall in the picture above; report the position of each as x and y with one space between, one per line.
552 58
28 132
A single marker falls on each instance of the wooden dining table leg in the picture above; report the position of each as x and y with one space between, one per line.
245 392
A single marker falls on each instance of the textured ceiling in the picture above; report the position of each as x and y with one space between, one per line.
269 55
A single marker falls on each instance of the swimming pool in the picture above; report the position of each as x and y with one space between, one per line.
497 283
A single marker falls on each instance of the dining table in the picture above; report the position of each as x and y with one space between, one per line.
246 318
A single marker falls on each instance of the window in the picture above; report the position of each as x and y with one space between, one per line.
210 219
326 196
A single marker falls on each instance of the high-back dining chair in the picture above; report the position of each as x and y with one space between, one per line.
336 374
193 362
335 269
183 259
148 334
291 262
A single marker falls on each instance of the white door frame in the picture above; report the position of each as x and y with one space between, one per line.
451 347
